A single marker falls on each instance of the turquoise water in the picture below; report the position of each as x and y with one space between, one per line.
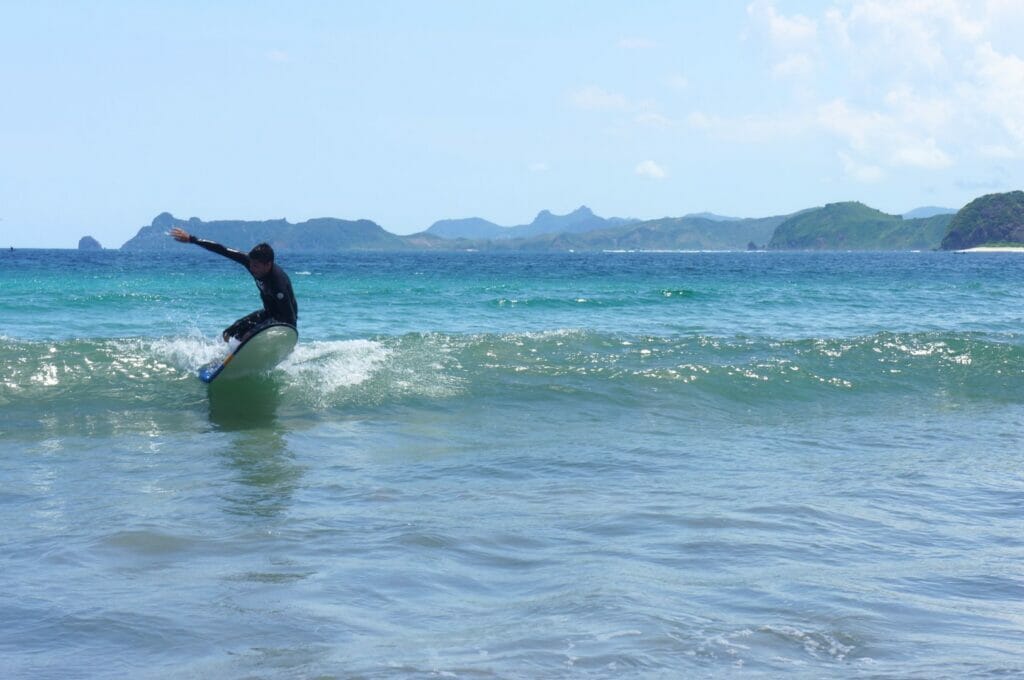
518 466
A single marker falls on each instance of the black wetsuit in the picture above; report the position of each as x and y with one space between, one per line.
275 290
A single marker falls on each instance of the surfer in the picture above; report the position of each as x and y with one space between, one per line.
275 286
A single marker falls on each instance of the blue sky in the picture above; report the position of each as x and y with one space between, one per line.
410 112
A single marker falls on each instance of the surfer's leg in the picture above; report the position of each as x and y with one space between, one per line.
243 326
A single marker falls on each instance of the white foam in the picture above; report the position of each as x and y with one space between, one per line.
324 367
186 352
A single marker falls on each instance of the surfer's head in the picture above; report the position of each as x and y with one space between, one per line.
261 259
262 252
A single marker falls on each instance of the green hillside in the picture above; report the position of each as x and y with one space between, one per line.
669 233
988 220
318 235
855 226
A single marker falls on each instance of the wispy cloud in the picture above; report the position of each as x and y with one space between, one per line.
858 127
897 135
678 81
278 56
860 171
653 119
650 170
748 128
635 43
594 98
786 32
897 83
793 39
922 154
794 66
996 151
999 88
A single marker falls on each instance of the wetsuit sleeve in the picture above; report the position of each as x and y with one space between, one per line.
230 253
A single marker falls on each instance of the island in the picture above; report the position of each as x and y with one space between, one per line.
992 221
855 226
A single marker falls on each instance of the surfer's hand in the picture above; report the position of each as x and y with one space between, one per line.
179 234
226 336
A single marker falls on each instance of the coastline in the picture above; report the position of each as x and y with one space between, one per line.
993 249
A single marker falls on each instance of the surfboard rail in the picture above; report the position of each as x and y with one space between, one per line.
259 352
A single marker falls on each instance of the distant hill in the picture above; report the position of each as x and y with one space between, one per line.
669 233
855 226
836 226
580 220
988 220
713 217
927 211
89 243
470 227
318 235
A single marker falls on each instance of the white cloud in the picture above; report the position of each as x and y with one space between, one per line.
278 56
677 81
931 114
538 167
653 119
644 112
894 137
651 170
596 99
903 35
794 66
859 171
925 154
793 39
897 83
996 151
749 128
857 127
702 121
785 32
999 88
634 43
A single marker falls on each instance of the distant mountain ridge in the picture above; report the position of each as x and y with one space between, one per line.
580 220
714 217
469 227
927 211
992 219
667 233
323 234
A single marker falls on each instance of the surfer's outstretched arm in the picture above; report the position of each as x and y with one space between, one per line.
179 234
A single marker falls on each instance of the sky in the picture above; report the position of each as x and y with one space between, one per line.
408 112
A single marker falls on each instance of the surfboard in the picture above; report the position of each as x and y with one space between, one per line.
258 353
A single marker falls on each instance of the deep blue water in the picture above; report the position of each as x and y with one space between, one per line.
516 466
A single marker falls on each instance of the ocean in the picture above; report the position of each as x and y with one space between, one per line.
601 465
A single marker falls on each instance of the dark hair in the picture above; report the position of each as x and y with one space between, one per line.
262 252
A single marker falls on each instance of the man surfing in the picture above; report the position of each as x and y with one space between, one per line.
274 285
